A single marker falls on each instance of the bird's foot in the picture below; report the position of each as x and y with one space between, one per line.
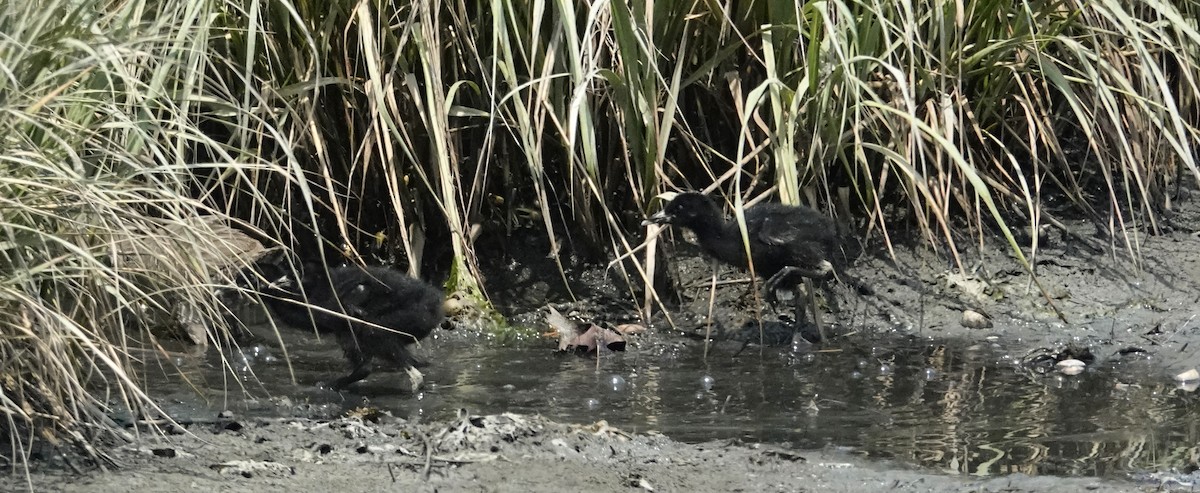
821 271
769 295
418 380
773 282
361 371
805 333
804 340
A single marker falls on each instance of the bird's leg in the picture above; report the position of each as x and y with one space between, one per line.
358 373
800 314
769 294
745 342
812 299
821 271
830 297
773 282
798 304
360 365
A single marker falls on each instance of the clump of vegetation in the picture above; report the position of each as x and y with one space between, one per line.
448 120
402 132
110 237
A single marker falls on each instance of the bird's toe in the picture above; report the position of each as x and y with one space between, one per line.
418 379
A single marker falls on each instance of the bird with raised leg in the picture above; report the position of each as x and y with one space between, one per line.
373 312
787 244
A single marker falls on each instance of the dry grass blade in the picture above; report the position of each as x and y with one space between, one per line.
107 246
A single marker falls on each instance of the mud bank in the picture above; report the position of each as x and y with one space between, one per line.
492 453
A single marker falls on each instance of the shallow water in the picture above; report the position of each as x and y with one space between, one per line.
953 406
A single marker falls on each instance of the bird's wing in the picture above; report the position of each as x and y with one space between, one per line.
369 296
783 227
774 231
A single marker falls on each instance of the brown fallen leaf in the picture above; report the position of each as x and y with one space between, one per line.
583 338
595 336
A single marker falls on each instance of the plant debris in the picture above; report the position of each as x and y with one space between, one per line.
583 338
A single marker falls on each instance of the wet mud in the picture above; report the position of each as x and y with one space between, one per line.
718 395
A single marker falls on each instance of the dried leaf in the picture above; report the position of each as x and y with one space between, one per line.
583 338
596 336
564 328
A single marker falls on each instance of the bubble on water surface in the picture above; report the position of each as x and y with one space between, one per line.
616 383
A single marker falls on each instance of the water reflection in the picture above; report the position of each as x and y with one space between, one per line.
956 407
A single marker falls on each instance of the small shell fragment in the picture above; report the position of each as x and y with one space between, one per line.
1188 376
1071 366
972 319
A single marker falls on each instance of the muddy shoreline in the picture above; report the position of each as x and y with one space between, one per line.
495 453
1111 304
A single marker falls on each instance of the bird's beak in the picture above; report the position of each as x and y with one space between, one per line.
661 217
283 282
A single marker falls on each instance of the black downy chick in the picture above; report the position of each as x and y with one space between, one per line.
787 243
350 302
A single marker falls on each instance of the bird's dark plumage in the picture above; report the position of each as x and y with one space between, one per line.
350 302
787 243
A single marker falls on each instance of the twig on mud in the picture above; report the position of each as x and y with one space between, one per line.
723 282
428 460
428 456
440 460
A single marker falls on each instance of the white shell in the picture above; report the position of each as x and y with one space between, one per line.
972 319
1071 366
1188 376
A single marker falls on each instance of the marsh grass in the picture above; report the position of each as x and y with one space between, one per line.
110 242
401 132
